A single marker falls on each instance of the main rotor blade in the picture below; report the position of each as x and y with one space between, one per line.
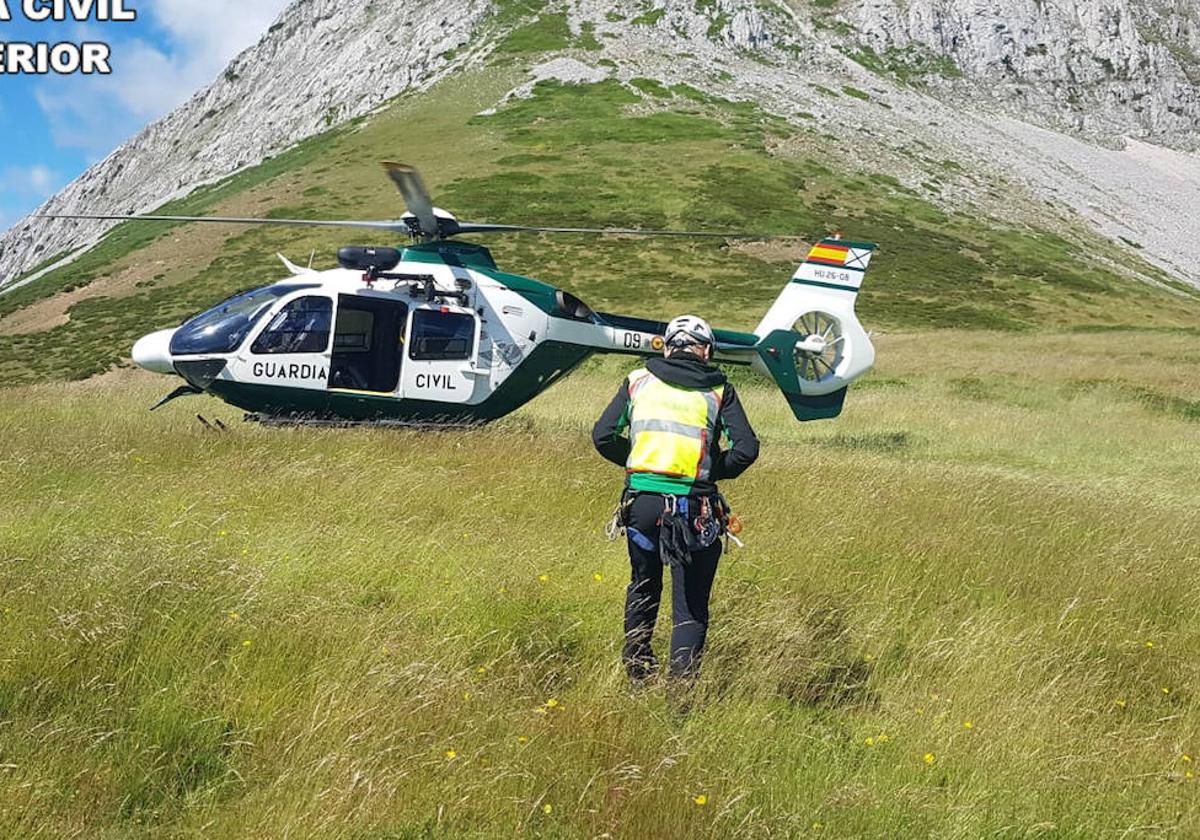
416 197
469 227
398 227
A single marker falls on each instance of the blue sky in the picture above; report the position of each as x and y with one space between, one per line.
52 128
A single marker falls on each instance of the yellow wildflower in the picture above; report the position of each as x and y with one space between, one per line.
700 800
521 739
451 755
466 695
967 724
599 578
883 739
1185 757
547 808
544 578
1120 704
930 758
482 669
234 616
551 703
222 533
1166 690
247 643
1188 774
870 742
1150 644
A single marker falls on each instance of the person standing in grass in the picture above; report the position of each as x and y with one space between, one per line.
665 427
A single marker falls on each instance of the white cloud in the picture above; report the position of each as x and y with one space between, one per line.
217 30
201 37
37 181
23 188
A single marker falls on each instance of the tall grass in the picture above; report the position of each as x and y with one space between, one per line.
967 608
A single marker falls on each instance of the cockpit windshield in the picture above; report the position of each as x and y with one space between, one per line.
223 328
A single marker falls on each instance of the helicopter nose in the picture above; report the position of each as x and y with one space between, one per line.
153 352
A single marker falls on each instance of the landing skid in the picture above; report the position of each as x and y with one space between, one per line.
276 421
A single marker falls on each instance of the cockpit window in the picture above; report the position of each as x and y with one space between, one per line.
223 328
302 326
441 335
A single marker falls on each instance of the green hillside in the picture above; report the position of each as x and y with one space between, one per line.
597 154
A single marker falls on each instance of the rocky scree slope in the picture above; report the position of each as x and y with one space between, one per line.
915 114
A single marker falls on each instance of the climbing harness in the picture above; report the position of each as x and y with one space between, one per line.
679 532
676 539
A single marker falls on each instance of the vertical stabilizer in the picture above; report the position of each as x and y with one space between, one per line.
811 341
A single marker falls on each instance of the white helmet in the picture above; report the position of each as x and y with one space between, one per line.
688 329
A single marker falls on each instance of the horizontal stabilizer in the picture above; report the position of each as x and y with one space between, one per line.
824 407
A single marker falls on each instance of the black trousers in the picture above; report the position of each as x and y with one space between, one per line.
691 585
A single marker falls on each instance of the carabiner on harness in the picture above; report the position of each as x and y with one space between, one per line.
707 524
731 523
620 518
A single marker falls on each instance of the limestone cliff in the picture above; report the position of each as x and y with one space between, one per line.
1101 68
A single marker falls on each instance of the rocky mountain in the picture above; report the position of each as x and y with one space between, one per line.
322 63
1101 68
1032 94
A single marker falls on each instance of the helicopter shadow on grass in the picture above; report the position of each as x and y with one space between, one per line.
879 442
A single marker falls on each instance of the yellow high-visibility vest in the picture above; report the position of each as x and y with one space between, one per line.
670 428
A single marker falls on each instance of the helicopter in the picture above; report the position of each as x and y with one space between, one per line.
435 333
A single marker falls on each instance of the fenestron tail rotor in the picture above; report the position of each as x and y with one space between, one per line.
423 221
819 349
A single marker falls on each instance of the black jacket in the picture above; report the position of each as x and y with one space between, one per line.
687 371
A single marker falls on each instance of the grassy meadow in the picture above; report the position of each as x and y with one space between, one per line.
966 609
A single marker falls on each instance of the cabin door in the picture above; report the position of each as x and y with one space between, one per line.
440 363
368 345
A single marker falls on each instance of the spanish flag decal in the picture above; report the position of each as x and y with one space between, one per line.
840 254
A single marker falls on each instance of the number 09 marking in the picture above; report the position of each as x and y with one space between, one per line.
633 341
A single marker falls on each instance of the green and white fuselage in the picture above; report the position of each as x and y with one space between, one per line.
447 337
